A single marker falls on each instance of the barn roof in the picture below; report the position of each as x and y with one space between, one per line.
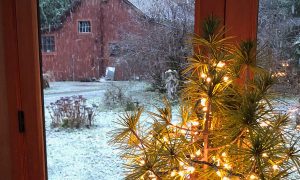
135 7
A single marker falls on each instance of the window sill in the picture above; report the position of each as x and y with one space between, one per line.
49 53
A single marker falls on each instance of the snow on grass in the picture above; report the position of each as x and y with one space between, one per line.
85 154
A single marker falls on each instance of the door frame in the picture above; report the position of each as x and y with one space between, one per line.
23 87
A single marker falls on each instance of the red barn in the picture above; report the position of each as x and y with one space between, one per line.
87 42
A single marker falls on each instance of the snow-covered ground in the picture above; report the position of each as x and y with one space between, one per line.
85 154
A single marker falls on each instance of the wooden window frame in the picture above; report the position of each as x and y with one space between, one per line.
23 90
54 49
84 20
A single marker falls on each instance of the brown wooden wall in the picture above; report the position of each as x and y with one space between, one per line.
238 16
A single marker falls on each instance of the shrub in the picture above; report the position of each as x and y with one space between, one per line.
131 106
71 112
114 97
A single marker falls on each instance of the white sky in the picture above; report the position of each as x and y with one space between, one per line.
143 5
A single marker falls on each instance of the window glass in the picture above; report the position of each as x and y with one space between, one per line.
48 44
84 26
91 81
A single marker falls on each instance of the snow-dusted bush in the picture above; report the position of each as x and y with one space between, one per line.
130 106
114 97
71 112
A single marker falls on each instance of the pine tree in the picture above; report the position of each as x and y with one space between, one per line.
54 12
227 129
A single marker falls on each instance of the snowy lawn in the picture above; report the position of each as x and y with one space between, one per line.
85 154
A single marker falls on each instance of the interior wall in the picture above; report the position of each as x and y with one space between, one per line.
4 126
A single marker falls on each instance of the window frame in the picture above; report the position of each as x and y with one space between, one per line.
27 158
54 44
84 20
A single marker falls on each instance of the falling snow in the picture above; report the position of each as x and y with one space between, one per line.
85 154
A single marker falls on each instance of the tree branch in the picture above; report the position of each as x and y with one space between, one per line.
232 142
219 168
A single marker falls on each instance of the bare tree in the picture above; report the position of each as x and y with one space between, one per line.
162 43
274 24
277 29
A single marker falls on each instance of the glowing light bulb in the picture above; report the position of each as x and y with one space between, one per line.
275 167
218 162
198 153
181 163
142 162
173 173
219 173
208 79
203 75
253 176
285 64
182 131
264 155
195 123
204 109
181 173
203 101
190 169
165 139
226 78
224 154
152 176
220 64
227 166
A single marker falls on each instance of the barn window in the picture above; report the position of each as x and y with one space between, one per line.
84 26
48 44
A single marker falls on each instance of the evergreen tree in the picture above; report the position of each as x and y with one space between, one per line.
227 129
54 12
